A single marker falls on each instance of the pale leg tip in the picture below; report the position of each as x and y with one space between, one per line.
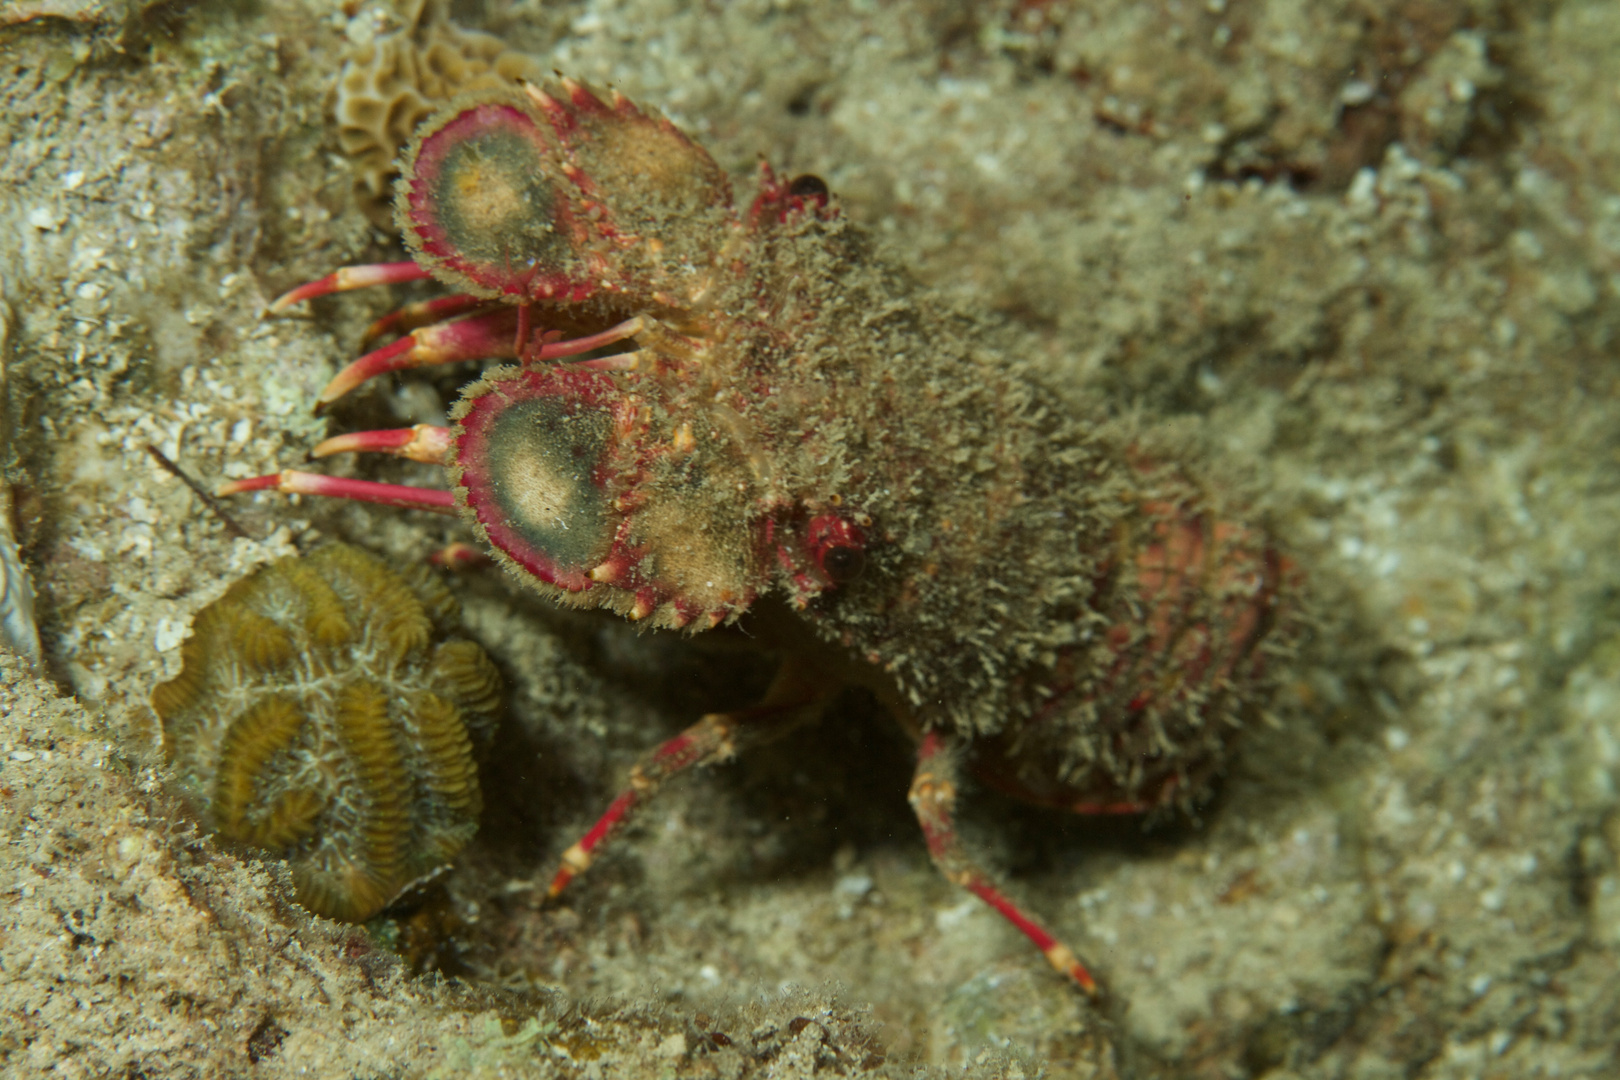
1062 958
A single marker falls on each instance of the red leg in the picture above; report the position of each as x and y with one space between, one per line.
525 311
424 443
1110 809
1165 796
458 555
794 696
292 482
423 313
933 798
350 277
493 335
478 337
624 361
554 347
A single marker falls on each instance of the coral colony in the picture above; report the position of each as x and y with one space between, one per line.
327 712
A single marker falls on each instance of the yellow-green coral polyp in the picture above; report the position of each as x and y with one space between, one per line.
326 712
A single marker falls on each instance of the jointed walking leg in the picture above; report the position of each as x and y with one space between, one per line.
794 697
933 798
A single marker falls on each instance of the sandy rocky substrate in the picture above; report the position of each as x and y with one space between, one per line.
1369 252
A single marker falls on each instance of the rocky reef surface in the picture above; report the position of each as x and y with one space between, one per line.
1366 253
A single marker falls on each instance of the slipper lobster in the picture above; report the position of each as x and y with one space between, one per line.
712 414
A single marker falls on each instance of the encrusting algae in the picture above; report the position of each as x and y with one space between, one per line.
327 712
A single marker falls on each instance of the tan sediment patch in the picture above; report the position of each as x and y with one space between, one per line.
535 489
486 198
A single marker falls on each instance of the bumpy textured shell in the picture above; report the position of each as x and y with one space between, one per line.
326 712
1051 585
1032 575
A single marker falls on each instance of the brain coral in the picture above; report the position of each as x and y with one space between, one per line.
390 84
326 712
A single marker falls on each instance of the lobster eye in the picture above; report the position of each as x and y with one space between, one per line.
480 201
529 454
838 547
843 564
809 186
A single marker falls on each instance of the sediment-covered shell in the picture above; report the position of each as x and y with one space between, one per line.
327 712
